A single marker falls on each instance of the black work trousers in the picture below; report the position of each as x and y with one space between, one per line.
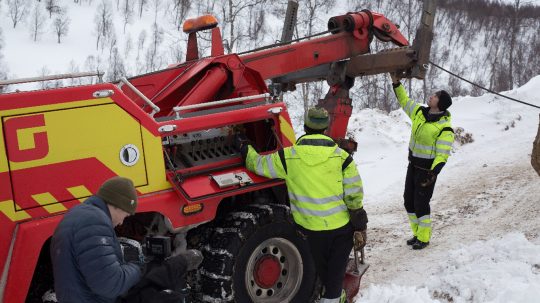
416 196
330 250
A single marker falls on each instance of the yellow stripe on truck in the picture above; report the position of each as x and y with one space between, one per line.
49 203
287 129
6 207
79 191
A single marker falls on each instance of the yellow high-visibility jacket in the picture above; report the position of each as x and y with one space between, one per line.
431 141
322 180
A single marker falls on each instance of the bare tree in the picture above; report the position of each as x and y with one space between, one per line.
176 51
116 66
514 31
179 11
128 46
233 15
92 64
17 10
152 56
142 3
73 69
127 13
156 5
52 6
103 22
310 21
45 71
37 21
256 20
112 43
141 42
61 24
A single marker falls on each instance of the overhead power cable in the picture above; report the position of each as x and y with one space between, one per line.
479 86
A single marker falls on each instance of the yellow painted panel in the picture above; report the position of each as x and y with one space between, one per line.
91 132
27 110
155 164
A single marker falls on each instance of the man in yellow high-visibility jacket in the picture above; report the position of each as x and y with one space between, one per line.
325 194
430 145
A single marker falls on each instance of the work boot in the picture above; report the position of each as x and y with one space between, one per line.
419 245
412 240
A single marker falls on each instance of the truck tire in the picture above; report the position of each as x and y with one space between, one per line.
256 255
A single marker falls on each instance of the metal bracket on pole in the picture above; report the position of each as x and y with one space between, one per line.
290 21
423 40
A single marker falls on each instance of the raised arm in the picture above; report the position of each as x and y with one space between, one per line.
408 105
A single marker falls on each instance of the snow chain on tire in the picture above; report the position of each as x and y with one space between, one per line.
235 247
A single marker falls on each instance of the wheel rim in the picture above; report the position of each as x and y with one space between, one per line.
274 271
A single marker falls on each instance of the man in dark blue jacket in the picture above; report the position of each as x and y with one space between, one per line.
87 260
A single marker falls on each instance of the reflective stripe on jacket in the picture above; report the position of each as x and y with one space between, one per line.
320 190
430 140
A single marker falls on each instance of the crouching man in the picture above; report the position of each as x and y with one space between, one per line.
88 264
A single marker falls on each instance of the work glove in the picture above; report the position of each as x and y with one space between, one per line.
241 143
431 177
359 222
192 257
359 219
359 239
395 77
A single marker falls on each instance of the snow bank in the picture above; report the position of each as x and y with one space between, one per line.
501 270
396 294
382 149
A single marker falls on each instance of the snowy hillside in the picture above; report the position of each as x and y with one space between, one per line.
486 238
129 37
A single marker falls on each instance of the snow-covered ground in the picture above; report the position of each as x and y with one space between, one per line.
485 245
